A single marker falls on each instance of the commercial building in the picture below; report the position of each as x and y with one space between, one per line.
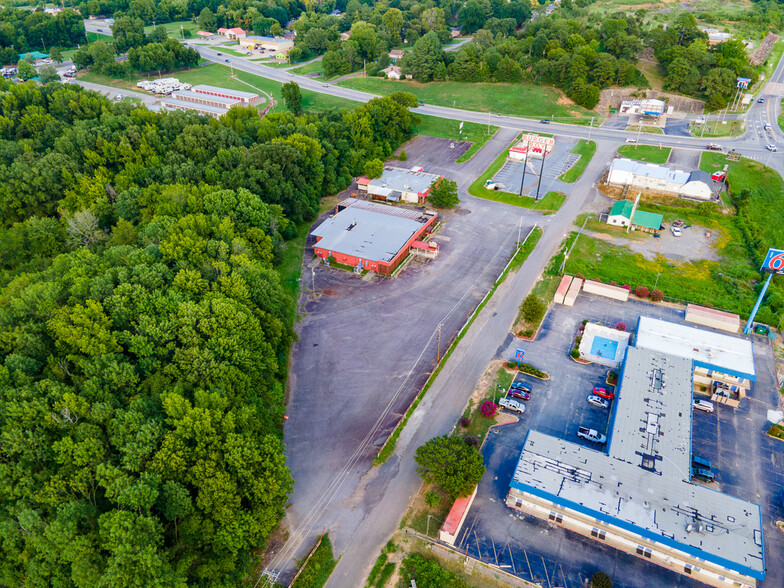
658 178
638 495
276 44
371 236
396 184
249 98
624 213
206 99
649 107
176 104
235 33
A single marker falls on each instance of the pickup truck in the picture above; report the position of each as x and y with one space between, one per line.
591 435
511 405
702 474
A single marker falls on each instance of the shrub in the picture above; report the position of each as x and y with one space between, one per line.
529 333
529 369
626 287
612 378
577 340
403 155
488 408
432 499
465 422
641 292
579 276
613 283
620 326
601 580
657 295
510 365
575 353
471 440
585 322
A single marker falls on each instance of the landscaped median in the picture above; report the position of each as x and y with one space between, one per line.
648 153
550 203
585 149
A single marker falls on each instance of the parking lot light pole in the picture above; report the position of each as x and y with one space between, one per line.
313 281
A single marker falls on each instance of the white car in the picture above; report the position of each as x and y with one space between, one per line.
703 405
598 401
771 147
511 405
676 231
631 140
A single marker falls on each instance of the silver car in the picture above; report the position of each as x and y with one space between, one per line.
598 401
511 405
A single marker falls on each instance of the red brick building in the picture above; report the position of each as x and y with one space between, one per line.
373 236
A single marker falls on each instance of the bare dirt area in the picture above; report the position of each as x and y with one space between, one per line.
692 245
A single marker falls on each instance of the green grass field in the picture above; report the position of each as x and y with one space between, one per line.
512 99
647 153
713 128
585 149
173 28
309 68
650 130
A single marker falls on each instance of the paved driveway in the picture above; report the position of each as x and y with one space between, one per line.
747 462
557 162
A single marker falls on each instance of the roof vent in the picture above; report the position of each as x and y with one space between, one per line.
352 225
689 528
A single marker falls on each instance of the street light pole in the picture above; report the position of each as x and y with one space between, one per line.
313 281
541 171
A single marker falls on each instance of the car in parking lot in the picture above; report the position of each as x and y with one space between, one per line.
591 435
703 475
703 405
719 176
521 386
771 147
598 402
521 394
676 231
760 100
511 405
603 393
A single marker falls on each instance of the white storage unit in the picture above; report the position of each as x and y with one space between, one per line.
606 290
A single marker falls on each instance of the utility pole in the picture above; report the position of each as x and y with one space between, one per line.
438 353
182 30
313 281
44 44
541 171
519 230
590 128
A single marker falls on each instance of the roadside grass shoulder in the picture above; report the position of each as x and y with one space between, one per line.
526 100
316 571
434 126
649 153
586 150
650 130
309 68
714 128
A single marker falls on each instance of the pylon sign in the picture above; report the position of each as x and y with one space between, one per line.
774 262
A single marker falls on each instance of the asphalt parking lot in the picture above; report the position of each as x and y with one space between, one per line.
559 160
365 348
746 462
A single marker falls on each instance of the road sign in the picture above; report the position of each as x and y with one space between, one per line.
519 355
774 262
733 156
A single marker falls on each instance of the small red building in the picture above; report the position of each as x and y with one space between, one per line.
374 236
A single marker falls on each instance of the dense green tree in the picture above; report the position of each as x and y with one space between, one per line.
206 20
374 168
451 463
25 71
422 62
393 23
471 17
292 96
443 193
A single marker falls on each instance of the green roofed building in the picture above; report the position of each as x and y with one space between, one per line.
34 54
624 213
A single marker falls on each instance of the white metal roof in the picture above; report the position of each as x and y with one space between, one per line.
724 353
402 180
226 91
174 103
366 234
651 170
643 484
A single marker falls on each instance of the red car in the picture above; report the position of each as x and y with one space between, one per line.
521 394
603 393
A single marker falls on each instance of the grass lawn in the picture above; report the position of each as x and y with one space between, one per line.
480 424
714 128
647 153
173 28
711 161
585 149
309 68
592 223
265 61
773 60
512 99
233 52
435 126
781 116
653 72
92 37
651 130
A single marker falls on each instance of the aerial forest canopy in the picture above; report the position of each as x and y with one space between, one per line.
144 330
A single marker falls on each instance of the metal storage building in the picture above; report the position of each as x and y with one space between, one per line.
650 176
246 97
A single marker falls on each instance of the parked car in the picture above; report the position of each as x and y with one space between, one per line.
603 393
675 231
702 475
771 147
591 435
703 405
700 462
598 402
521 394
760 100
521 386
719 176
511 405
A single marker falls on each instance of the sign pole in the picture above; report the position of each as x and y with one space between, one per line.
747 328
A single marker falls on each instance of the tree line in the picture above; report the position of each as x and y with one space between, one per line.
23 30
144 330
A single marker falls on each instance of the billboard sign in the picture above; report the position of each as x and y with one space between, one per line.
774 262
743 83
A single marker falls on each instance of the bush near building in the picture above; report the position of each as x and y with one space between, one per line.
451 463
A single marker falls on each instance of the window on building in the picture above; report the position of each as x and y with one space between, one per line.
600 535
519 503
640 550
648 553
552 516
559 518
687 569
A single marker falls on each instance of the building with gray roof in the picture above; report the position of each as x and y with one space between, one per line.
408 185
659 178
176 104
638 495
370 238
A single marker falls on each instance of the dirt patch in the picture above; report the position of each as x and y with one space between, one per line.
612 98
565 101
485 382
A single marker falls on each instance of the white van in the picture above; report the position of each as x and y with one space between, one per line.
703 405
